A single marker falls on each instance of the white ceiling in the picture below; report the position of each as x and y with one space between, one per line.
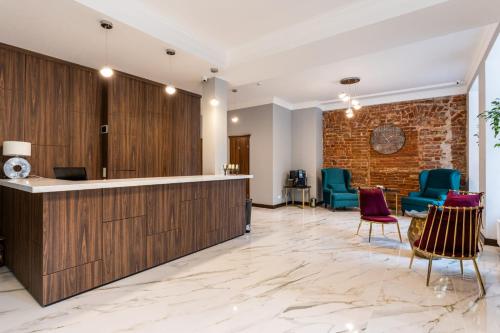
231 23
297 49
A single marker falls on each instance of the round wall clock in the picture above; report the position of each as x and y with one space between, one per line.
387 139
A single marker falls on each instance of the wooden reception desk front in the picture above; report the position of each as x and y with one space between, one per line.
63 237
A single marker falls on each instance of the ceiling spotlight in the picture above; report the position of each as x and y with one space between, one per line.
214 102
235 119
106 72
170 89
259 83
234 90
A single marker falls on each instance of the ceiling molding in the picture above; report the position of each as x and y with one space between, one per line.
439 90
491 33
137 15
433 91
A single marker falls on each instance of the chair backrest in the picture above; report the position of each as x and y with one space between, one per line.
336 177
452 231
437 182
372 202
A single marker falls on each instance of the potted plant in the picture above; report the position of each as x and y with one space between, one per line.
493 118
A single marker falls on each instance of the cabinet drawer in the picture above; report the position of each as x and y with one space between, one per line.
123 203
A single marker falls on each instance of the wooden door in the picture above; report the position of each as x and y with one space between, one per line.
239 153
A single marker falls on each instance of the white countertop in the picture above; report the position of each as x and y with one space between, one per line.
45 185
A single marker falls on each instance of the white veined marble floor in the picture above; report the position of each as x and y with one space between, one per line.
299 271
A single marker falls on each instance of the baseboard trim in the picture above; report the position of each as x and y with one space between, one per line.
283 204
491 242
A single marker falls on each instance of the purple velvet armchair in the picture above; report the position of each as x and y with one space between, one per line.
373 208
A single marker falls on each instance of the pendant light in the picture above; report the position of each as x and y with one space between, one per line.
348 96
106 71
214 101
169 88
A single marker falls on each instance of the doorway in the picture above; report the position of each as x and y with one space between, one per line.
239 153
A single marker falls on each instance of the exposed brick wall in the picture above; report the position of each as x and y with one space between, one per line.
436 137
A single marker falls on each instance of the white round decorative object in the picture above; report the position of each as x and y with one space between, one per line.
16 168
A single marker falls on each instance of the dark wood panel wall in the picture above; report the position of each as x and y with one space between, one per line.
55 106
59 107
151 134
61 244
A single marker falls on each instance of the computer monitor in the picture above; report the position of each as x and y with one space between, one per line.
70 173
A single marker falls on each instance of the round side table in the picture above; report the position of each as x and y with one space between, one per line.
416 229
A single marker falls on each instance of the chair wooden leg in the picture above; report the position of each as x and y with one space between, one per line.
429 269
479 278
383 232
399 233
412 257
462 267
359 226
370 234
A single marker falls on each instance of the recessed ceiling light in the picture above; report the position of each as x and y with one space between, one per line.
259 83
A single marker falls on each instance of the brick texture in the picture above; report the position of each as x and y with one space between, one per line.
436 137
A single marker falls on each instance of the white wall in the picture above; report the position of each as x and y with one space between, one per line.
473 132
214 126
282 150
492 154
258 122
307 145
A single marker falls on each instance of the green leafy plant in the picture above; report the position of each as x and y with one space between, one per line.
493 118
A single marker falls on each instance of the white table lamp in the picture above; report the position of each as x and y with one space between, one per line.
17 167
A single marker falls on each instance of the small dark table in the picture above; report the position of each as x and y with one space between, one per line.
395 193
304 189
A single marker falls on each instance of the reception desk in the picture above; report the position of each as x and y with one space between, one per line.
65 237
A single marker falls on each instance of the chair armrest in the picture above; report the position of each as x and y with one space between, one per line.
414 194
352 190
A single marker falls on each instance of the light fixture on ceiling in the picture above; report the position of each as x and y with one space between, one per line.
170 88
348 96
235 119
106 71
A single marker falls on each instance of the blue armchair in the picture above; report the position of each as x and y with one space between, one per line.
434 186
337 191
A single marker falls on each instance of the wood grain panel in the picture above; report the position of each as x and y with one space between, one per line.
163 203
44 158
11 68
69 282
11 115
72 229
20 210
46 101
84 120
162 248
124 248
122 203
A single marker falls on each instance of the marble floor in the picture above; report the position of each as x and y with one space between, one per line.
298 271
